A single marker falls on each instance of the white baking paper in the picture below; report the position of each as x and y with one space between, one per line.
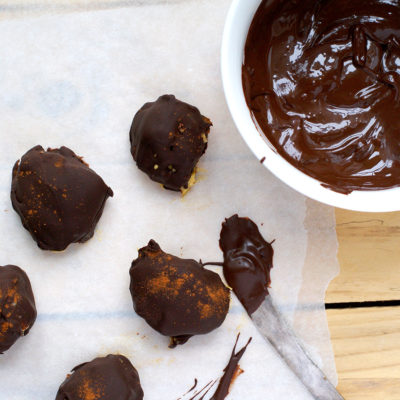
77 79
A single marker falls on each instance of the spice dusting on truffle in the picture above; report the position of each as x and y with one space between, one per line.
105 378
247 261
58 197
17 305
168 137
177 297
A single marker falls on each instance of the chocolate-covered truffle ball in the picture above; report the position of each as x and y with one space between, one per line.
177 297
168 137
58 197
17 306
105 378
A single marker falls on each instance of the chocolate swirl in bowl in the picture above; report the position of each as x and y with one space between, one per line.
322 80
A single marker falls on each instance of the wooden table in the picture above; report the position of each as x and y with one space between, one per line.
363 306
363 302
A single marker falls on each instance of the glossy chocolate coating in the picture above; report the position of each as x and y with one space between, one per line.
58 197
17 305
177 297
322 80
105 378
247 261
168 137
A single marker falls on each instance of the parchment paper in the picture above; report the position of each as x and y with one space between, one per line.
77 80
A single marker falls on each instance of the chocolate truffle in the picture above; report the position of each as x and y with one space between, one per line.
58 197
177 297
105 378
168 137
247 261
17 305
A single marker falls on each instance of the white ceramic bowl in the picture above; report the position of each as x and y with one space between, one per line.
237 25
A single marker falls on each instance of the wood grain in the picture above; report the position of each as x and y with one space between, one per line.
366 341
369 257
366 344
370 389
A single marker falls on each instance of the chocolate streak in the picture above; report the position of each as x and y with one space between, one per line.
231 371
247 261
204 391
322 80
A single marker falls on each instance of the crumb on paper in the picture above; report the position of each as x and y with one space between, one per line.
191 183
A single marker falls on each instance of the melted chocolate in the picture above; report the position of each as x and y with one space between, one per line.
322 80
17 306
247 261
177 297
231 371
105 378
58 197
168 137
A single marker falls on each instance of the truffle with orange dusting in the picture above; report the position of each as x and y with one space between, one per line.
177 297
168 137
17 305
58 197
104 378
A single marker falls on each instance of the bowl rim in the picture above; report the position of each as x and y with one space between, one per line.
239 17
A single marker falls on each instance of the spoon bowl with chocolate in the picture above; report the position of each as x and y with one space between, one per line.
314 89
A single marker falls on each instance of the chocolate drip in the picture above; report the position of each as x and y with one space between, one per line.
247 261
231 371
190 390
203 392
322 80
